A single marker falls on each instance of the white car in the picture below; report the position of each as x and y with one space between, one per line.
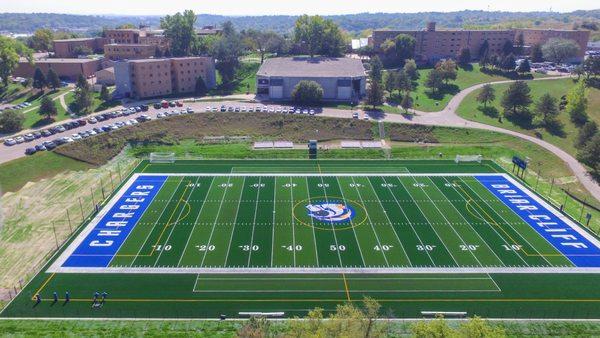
304 111
92 120
160 115
67 139
92 132
19 139
76 137
366 118
207 109
10 142
311 112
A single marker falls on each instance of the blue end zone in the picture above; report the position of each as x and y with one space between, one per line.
103 242
571 243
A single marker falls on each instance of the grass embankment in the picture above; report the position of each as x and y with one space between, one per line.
470 109
32 117
425 100
169 131
15 174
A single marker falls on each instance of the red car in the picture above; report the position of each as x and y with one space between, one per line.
179 103
82 122
164 104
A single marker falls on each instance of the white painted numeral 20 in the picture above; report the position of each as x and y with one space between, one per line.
469 247
206 247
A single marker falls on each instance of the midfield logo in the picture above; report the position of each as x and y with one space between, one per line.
331 212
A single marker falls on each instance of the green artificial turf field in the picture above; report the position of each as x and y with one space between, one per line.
224 237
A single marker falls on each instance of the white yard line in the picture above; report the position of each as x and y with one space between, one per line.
362 258
337 246
312 223
371 223
254 221
237 212
389 221
216 220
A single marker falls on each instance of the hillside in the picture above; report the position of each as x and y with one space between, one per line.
353 23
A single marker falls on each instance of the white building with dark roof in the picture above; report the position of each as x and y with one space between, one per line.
342 79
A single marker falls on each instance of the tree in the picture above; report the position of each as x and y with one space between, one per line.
390 81
487 94
474 328
83 96
464 58
407 102
516 100
82 50
262 42
590 154
39 80
536 53
547 109
484 49
586 133
179 29
126 26
447 69
255 327
559 50
519 44
577 104
375 93
104 94
410 68
11 121
52 79
508 63
591 66
41 39
227 51
319 35
405 47
9 59
307 93
434 80
524 67
200 88
376 69
507 47
47 108
404 82
477 327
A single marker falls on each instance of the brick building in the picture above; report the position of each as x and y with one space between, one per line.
116 51
433 45
67 69
125 36
68 48
159 77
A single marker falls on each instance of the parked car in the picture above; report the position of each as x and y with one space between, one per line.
76 137
144 107
157 105
82 122
160 115
47 132
50 145
37 134
172 104
354 115
29 137
92 120
9 142
223 108
40 147
30 151
179 103
19 139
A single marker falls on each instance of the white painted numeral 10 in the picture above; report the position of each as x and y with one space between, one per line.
512 247
160 247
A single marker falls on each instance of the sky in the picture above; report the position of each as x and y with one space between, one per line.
278 7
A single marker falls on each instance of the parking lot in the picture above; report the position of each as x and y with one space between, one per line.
77 129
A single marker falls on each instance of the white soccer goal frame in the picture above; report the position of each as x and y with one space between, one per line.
468 158
161 157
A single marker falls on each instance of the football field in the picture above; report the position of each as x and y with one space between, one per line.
287 235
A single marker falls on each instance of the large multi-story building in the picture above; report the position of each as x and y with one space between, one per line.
433 45
70 48
158 77
128 36
116 51
67 69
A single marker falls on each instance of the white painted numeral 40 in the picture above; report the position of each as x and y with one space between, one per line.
383 247
289 185
226 185
160 247
337 247
419 185
249 247
297 247
206 247
512 247
468 247
425 247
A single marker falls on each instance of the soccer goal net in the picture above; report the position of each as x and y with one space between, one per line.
468 158
162 157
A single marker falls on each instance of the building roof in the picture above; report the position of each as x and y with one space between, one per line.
57 60
312 67
107 70
74 40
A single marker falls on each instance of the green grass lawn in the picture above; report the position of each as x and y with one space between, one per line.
10 91
97 103
425 101
472 110
245 81
16 173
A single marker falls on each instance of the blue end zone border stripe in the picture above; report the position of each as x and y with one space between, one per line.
103 242
564 237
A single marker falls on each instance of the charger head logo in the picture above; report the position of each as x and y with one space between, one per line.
331 212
